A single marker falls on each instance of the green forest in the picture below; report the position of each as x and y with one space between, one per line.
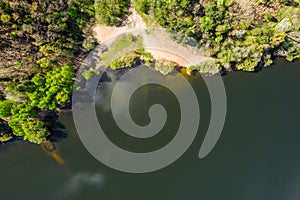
239 36
44 42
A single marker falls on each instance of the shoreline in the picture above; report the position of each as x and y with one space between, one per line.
246 49
158 43
68 109
162 47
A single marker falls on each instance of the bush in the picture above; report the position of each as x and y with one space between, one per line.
5 18
142 6
111 12
128 60
5 108
165 67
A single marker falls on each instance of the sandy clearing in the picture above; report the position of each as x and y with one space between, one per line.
161 55
157 42
134 22
174 57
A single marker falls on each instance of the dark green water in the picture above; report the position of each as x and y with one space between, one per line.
257 156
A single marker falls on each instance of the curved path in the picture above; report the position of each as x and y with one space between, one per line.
156 41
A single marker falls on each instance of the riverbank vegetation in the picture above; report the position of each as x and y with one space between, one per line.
123 44
239 35
127 51
42 43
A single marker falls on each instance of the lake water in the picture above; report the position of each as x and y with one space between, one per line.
257 156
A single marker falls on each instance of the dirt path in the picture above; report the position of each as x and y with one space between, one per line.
159 44
134 21
156 41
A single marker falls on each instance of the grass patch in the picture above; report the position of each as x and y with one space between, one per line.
122 45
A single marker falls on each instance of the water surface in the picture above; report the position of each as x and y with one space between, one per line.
257 156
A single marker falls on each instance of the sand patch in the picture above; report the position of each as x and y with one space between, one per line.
155 41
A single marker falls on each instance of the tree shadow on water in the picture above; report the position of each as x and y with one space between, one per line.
57 129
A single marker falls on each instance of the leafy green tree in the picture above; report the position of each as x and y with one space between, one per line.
5 18
142 6
35 131
238 36
111 12
5 108
42 43
24 123
53 89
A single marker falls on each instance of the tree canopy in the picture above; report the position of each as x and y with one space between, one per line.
42 44
245 37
